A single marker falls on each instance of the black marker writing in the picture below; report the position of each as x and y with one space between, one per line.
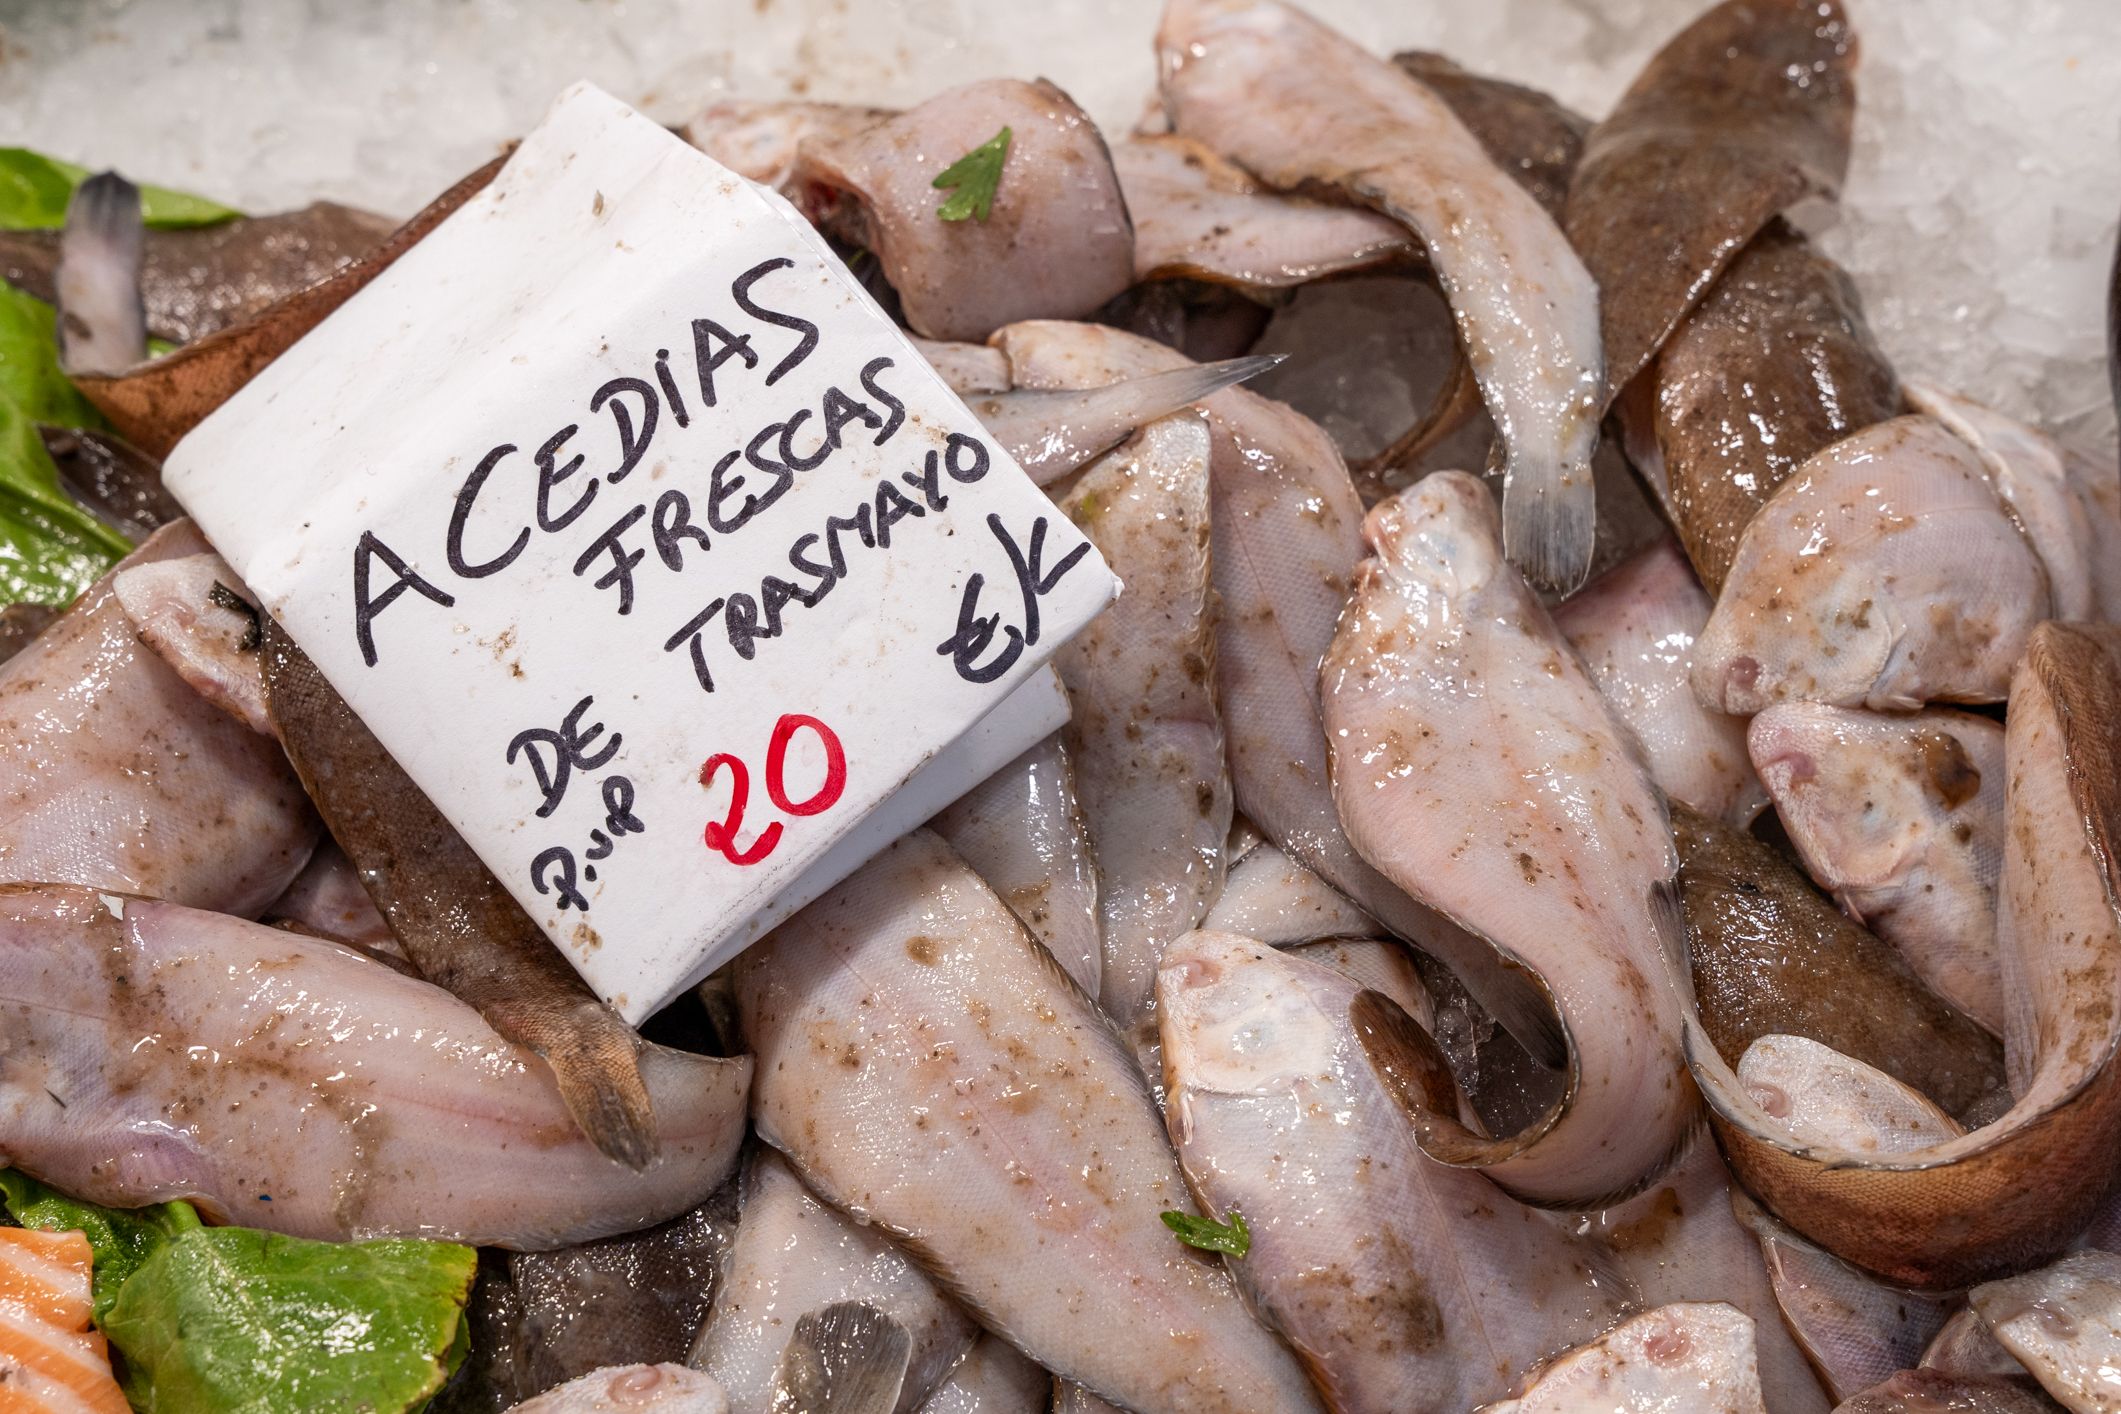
554 756
975 631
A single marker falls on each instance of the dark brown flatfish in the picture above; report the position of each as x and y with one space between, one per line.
540 1319
2015 1192
637 1298
200 280
156 403
1774 365
113 480
454 920
1745 112
1773 956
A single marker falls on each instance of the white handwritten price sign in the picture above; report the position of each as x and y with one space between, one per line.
648 546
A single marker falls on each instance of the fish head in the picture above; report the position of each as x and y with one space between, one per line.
1442 536
1836 786
1831 639
1862 793
1241 1018
1834 1102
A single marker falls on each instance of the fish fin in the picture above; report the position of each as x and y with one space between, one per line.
846 1358
1098 419
599 1075
1528 1014
1609 1274
1668 918
1414 1072
1550 521
102 318
527 993
1156 394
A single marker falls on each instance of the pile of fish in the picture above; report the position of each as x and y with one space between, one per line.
1608 904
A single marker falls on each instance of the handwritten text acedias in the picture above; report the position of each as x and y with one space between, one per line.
513 492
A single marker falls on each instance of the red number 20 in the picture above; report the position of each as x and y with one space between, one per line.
721 834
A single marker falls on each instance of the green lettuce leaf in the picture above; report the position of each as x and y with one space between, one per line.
121 1238
50 548
34 190
30 377
230 1320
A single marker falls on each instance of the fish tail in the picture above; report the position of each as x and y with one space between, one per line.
1156 394
102 317
1549 520
595 1057
846 1358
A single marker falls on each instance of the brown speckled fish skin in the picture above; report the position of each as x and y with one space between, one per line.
1681 1241
292 1085
1772 956
1535 139
457 924
790 1255
155 403
1901 816
1741 114
2017 1190
1692 1356
1287 536
113 480
201 279
1301 106
1400 1282
1474 763
1775 364
1147 735
929 1069
1199 216
1529 134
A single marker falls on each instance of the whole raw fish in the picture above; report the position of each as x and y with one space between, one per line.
1634 627
289 1083
452 918
115 773
1886 572
928 1069
1147 735
1298 104
1901 816
793 1256
1477 767
1402 1283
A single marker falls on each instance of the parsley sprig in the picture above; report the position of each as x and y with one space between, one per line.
1209 1235
974 177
